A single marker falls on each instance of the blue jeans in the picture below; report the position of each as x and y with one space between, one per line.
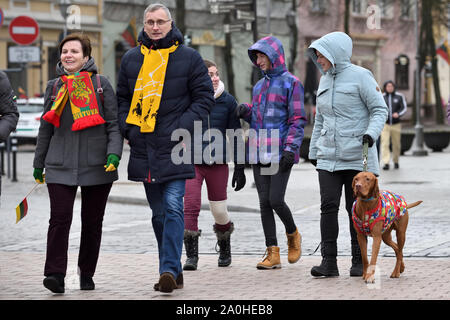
166 202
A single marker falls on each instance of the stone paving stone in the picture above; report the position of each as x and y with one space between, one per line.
131 277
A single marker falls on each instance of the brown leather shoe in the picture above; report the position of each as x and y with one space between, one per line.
167 282
179 282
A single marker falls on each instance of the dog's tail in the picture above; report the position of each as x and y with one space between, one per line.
414 204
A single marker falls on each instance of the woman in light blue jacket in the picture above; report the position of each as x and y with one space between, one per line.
350 110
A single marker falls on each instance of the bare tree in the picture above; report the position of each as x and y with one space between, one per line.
434 12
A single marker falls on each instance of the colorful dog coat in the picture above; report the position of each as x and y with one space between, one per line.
390 208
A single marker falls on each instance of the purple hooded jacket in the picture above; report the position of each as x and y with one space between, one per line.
277 103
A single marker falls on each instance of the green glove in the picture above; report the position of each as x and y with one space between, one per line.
112 163
38 175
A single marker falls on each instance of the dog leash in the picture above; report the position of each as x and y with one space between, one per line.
365 155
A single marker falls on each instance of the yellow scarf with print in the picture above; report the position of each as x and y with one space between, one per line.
148 88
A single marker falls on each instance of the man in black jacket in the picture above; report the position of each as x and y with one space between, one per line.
8 111
391 133
163 86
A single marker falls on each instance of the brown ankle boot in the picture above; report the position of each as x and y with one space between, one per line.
271 260
294 246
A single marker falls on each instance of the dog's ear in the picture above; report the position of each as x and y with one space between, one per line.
375 191
353 186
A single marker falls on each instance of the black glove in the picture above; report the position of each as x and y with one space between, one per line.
313 162
287 161
367 138
242 110
238 179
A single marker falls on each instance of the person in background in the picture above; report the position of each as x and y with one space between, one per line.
392 130
214 170
78 145
163 86
350 111
277 105
8 112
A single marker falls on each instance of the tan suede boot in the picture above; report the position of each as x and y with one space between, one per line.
271 259
294 246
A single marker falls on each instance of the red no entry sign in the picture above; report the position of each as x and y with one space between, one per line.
23 30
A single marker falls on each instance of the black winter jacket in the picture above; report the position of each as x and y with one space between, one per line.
76 158
187 96
8 108
395 102
222 117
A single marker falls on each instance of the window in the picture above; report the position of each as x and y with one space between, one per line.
383 8
407 9
402 72
319 6
19 4
382 4
356 7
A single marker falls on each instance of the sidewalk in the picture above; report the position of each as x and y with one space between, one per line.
128 263
131 277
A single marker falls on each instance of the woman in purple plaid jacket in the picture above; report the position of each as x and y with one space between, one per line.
276 117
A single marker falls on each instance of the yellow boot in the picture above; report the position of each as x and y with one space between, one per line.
271 259
294 246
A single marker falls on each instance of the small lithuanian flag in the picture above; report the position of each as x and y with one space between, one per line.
21 210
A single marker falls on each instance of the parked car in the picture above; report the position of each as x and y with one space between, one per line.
29 120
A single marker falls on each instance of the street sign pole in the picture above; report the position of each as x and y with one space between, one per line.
418 143
255 22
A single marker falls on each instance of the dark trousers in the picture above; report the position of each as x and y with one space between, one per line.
330 197
271 190
93 203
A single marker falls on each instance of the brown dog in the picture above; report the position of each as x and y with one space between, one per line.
376 214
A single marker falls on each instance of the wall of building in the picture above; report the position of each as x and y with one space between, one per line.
51 24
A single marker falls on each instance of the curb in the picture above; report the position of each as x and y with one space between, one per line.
143 202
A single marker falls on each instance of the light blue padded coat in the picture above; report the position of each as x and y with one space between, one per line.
349 105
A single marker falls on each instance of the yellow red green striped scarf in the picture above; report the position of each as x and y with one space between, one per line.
79 90
148 89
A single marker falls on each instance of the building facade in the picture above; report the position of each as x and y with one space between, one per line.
30 78
382 33
383 37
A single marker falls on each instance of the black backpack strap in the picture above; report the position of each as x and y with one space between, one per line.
54 92
99 88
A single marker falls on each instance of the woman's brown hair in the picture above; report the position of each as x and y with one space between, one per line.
84 40
209 63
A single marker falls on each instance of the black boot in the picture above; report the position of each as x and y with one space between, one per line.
224 243
328 266
329 230
357 266
191 247
86 283
54 283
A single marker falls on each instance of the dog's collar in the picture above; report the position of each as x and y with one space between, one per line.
367 200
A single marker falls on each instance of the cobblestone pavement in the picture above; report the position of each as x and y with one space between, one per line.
131 276
128 262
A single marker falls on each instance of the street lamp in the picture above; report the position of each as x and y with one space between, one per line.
418 149
63 6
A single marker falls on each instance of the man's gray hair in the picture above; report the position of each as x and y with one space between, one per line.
156 6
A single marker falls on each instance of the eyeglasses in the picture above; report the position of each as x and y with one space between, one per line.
151 23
